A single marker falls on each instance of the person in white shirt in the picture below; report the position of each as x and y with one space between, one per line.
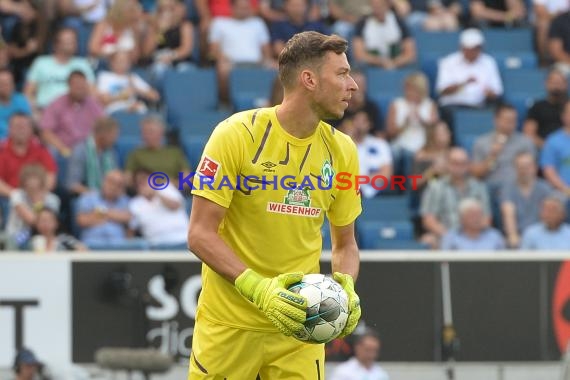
469 77
120 89
239 40
545 11
410 115
551 233
374 153
362 366
159 215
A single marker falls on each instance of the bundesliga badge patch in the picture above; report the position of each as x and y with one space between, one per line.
209 167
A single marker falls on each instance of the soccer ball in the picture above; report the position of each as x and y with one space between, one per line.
327 308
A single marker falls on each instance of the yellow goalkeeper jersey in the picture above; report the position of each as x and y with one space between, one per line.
277 190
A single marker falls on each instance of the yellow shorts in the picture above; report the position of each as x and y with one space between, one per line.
221 352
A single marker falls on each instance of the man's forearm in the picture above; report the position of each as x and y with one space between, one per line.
346 260
215 253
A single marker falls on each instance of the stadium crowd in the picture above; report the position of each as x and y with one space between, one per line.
95 95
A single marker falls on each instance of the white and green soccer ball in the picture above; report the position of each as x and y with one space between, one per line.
327 308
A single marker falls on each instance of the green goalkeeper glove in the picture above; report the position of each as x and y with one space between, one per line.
285 309
354 311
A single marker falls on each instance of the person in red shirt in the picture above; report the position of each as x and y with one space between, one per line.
21 148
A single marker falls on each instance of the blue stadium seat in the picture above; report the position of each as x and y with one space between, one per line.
190 92
436 43
385 85
202 123
4 211
524 82
522 88
466 141
473 122
124 146
508 40
249 84
515 60
371 233
129 123
193 145
386 208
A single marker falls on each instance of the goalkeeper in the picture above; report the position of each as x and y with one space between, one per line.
255 241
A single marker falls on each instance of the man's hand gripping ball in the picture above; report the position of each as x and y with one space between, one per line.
354 312
285 309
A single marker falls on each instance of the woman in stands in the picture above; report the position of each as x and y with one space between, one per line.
429 162
170 40
410 115
121 30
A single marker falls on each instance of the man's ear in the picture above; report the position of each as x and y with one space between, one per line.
309 79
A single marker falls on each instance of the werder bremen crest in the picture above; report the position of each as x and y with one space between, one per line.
298 197
327 173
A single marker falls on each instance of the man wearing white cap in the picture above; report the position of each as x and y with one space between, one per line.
469 77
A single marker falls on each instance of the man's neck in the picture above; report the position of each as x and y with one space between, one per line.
526 184
61 58
457 181
20 147
472 233
296 117
5 99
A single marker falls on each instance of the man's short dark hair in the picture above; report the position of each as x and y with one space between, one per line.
76 73
504 107
304 50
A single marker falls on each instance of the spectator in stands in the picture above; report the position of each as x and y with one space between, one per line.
170 41
551 233
47 237
429 161
69 119
410 115
382 39
26 42
12 12
26 201
93 158
242 39
440 201
104 215
296 21
468 77
544 117
474 233
159 215
120 89
208 10
275 10
19 149
520 200
374 153
27 366
559 42
75 13
544 12
555 155
346 14
154 155
48 76
494 152
434 15
363 365
360 102
118 31
497 13
11 102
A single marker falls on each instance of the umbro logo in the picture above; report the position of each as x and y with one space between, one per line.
268 166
